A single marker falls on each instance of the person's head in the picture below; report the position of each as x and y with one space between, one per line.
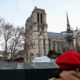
51 54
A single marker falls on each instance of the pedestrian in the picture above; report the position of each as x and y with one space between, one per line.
68 75
69 64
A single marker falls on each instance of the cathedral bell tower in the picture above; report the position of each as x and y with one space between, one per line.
36 29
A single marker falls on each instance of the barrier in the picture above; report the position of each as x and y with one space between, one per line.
27 71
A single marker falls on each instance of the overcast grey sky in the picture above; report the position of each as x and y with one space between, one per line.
17 11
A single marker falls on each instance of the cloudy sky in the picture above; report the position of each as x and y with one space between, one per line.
17 11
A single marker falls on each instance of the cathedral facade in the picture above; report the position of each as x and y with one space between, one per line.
38 41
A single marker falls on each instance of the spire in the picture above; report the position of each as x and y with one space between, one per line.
68 25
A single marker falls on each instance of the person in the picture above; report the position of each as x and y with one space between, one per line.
49 58
68 75
69 64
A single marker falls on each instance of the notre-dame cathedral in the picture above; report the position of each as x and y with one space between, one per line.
38 40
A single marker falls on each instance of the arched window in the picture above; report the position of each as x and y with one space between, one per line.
49 43
41 18
38 17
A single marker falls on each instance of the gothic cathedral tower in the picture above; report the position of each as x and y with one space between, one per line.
36 37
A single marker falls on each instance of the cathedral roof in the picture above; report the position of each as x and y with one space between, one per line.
55 35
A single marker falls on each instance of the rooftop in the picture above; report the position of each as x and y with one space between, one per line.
55 35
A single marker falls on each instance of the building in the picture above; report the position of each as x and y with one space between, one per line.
37 40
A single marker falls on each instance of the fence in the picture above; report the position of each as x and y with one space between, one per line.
27 71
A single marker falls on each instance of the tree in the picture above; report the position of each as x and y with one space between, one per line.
13 38
17 41
2 22
7 33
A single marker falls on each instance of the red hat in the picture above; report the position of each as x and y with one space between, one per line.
68 60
